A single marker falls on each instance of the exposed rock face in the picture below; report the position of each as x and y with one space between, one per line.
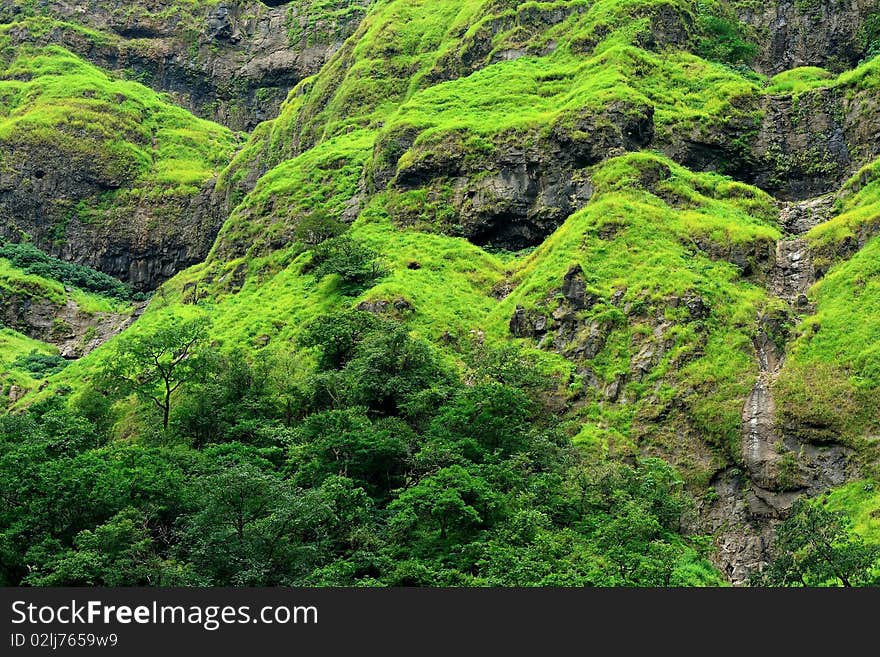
799 147
40 188
800 218
779 465
822 33
776 464
233 62
516 195
808 146
74 331
793 273
397 308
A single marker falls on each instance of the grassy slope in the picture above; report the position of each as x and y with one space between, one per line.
14 345
132 138
386 78
861 501
26 287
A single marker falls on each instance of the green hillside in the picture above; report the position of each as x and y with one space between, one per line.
508 294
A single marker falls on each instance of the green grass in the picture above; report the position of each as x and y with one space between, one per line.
448 286
14 345
14 281
410 64
798 80
321 180
832 375
860 500
857 216
423 69
150 156
54 97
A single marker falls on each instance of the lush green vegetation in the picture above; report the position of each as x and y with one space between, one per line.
377 468
40 364
17 352
34 261
258 427
816 547
128 132
137 160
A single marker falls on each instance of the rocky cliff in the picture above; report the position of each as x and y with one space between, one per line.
671 205
232 62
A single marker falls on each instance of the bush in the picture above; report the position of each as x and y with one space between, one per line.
317 228
33 261
723 39
40 365
356 265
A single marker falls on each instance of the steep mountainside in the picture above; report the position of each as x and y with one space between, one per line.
668 208
232 62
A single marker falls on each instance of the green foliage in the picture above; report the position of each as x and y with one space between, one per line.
488 419
40 364
130 131
154 367
346 443
120 552
354 493
253 524
317 228
34 261
452 505
305 443
725 40
860 501
135 152
815 547
336 336
357 266
869 36
798 80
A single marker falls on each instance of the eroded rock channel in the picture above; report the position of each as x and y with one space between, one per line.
778 467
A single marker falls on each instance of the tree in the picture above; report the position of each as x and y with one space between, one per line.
120 552
316 227
224 394
356 265
490 418
254 528
816 547
155 364
388 368
452 503
347 443
337 336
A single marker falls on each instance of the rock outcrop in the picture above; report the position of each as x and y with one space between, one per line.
778 465
75 331
795 33
140 241
231 61
516 194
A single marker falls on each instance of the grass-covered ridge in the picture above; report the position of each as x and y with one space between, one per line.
549 66
104 171
450 414
34 261
446 291
13 348
129 133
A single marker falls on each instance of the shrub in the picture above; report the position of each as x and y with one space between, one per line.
33 261
357 265
40 365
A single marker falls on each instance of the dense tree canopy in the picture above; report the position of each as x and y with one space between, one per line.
378 468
